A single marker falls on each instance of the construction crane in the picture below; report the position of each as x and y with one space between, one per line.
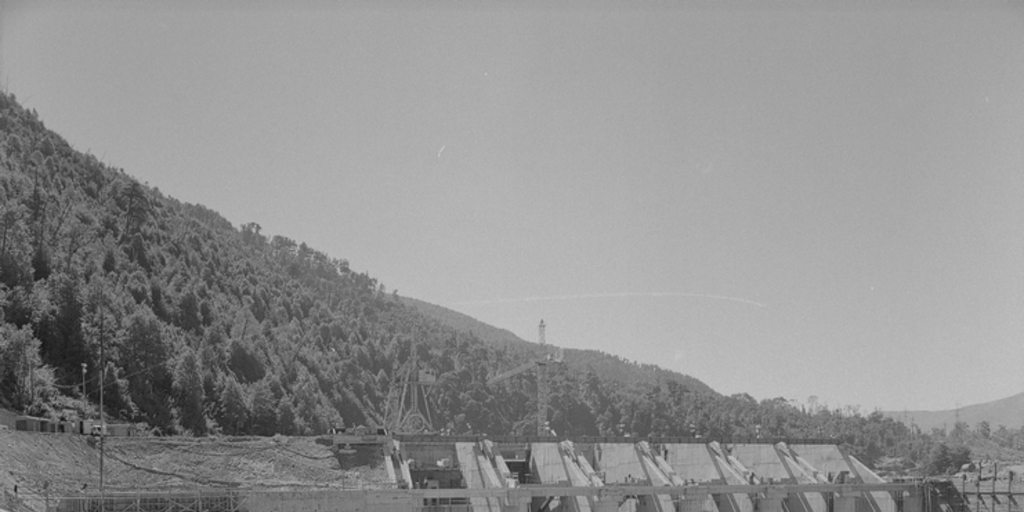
408 409
543 388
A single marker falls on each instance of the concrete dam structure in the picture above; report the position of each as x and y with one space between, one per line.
542 474
545 474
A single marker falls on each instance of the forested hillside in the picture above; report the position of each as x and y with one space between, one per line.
208 328
608 366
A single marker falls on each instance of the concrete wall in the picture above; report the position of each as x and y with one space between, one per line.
692 462
619 463
427 455
546 464
763 460
824 457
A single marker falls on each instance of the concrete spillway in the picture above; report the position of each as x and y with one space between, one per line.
625 475
762 460
551 466
693 463
621 463
478 473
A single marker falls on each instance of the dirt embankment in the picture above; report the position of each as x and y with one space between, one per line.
69 463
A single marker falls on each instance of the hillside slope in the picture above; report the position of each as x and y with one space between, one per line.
610 367
207 328
1008 412
68 463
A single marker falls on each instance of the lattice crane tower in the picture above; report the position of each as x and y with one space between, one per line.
543 389
541 365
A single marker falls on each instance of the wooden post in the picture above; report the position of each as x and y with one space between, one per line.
977 490
963 492
1009 492
995 480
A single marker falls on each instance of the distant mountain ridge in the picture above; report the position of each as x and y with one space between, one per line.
607 365
1006 411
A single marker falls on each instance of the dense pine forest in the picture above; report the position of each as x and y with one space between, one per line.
200 327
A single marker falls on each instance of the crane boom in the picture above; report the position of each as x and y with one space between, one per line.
543 388
512 373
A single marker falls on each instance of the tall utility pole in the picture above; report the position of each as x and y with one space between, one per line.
103 425
30 376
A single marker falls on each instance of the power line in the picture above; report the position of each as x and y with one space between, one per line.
90 381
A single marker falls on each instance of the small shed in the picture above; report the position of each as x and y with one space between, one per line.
33 424
121 429
8 418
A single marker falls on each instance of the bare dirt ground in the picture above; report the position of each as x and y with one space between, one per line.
69 464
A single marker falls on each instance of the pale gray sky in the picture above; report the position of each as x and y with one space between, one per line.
776 199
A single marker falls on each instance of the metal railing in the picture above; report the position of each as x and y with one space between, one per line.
196 501
691 498
15 503
435 438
